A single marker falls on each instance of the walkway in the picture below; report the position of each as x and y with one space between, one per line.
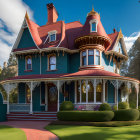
34 130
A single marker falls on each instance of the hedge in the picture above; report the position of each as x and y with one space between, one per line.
123 105
126 115
86 116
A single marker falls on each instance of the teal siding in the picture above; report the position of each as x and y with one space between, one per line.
105 62
61 64
35 65
3 109
21 90
26 40
71 92
36 99
74 62
111 93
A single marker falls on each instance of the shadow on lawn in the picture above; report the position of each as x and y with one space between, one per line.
96 133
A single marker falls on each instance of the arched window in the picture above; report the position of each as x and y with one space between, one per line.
28 63
90 57
97 58
52 62
84 58
99 93
28 94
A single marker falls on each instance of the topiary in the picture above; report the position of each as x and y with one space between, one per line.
123 105
104 107
66 105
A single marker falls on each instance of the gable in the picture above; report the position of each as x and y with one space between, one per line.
118 48
26 40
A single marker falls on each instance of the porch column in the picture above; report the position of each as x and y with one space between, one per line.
80 91
94 91
86 91
75 92
58 95
103 91
31 106
117 93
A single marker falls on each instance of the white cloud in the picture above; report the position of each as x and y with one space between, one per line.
12 14
129 41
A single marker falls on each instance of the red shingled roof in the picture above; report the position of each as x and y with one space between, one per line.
82 73
66 33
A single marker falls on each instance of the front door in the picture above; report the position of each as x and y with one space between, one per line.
52 97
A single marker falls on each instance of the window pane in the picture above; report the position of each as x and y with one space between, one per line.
29 66
93 26
29 61
97 52
78 92
52 37
84 60
28 94
90 52
90 60
97 60
53 60
52 67
83 53
90 93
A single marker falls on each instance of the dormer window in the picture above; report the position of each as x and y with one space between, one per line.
52 36
28 63
93 25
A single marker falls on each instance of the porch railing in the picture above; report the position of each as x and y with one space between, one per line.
19 107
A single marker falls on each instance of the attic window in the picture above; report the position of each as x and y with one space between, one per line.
93 25
52 36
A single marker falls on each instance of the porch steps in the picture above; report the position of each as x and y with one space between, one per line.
37 116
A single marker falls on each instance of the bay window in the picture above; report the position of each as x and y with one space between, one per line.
93 57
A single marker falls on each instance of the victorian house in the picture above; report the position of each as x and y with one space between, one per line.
68 62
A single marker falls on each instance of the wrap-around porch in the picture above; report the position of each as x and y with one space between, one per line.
36 95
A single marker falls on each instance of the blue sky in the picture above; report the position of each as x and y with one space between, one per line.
122 14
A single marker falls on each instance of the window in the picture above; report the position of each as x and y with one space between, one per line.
90 57
52 62
97 58
93 25
84 58
93 57
99 93
28 94
52 36
28 63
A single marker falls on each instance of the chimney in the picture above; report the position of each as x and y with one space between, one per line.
52 13
114 30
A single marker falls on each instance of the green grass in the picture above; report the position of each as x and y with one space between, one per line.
10 133
68 132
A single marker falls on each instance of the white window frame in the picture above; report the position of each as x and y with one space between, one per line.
91 22
51 33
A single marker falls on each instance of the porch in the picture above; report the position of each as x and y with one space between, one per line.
85 94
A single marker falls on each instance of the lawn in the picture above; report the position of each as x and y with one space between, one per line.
10 133
68 132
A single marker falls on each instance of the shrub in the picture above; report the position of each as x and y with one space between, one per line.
86 116
66 105
126 115
104 107
115 107
123 105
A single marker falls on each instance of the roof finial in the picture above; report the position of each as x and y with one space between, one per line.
26 16
92 8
